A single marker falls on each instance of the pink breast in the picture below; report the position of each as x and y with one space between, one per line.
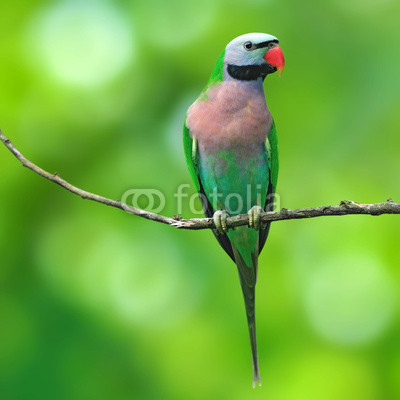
233 114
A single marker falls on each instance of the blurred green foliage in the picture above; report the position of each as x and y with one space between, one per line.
97 304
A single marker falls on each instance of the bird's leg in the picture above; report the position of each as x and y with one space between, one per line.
219 218
254 217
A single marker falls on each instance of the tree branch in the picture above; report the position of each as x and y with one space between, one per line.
346 207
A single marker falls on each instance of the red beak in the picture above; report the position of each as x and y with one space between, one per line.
275 58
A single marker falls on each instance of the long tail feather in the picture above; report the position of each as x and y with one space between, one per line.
254 355
248 279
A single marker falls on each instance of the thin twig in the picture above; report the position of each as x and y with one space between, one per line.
346 207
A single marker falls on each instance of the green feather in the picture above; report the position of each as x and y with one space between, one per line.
272 153
191 156
218 73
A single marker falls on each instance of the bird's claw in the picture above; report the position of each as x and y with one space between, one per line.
255 217
219 218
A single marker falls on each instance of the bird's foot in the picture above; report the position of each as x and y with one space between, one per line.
219 218
255 217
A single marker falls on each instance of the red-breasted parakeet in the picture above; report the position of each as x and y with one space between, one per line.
231 150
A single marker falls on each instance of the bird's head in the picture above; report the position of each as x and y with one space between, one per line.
252 56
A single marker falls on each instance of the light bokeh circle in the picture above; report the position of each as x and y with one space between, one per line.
82 43
350 300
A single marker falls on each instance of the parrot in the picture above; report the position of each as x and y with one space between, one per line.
231 150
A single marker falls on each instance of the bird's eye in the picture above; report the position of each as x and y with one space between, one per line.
248 45
271 45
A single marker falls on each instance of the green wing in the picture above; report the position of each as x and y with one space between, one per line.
271 146
191 155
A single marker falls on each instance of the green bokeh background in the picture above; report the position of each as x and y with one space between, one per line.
98 304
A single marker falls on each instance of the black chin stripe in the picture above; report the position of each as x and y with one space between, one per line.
249 72
265 44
